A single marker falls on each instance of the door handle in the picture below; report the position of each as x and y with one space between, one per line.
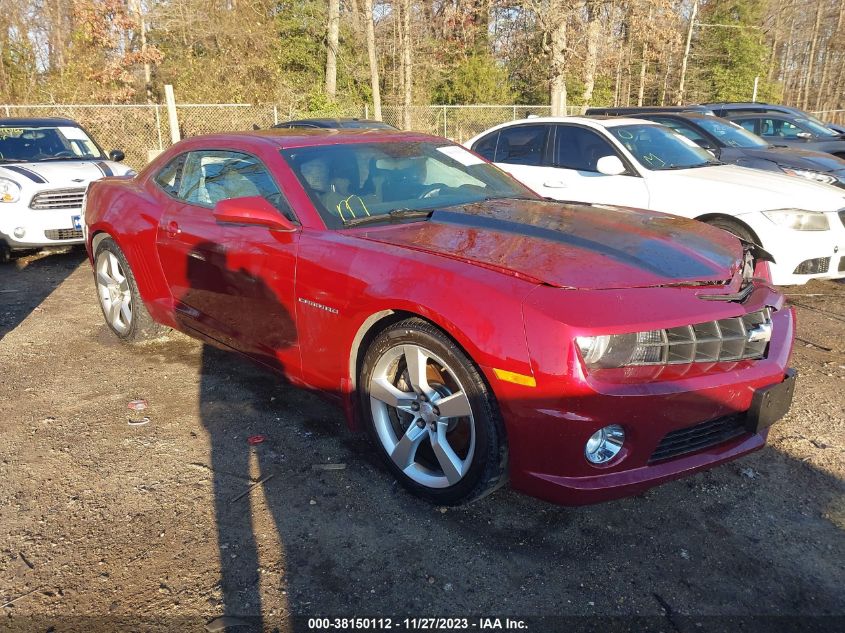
555 184
173 229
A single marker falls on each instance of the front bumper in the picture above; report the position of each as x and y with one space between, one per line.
548 425
42 228
792 248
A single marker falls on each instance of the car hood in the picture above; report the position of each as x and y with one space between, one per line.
572 245
799 158
63 173
734 189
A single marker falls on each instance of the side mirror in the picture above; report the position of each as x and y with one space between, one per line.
254 210
610 166
117 155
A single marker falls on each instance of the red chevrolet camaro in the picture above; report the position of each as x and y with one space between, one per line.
476 331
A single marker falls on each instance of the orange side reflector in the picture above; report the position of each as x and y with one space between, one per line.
519 379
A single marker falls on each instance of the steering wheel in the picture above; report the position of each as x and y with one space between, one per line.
64 153
430 191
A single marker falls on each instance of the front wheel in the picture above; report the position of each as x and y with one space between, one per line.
431 414
124 310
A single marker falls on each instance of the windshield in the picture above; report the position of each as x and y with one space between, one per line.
731 134
33 144
658 148
815 128
358 180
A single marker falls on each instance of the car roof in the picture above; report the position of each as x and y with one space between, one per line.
634 110
303 137
689 114
335 123
598 121
38 122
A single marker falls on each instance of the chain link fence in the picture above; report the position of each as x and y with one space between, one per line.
143 130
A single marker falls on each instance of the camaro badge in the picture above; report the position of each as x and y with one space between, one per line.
314 304
760 333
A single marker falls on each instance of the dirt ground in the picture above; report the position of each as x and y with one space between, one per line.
110 526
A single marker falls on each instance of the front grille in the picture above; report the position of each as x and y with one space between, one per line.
738 338
812 266
699 437
58 199
842 264
63 234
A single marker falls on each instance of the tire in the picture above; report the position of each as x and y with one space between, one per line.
446 460
733 227
121 303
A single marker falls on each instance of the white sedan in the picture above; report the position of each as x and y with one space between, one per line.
638 163
45 168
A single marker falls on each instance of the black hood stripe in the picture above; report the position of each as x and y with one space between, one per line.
659 258
23 171
103 167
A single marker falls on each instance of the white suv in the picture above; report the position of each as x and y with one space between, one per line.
638 163
45 168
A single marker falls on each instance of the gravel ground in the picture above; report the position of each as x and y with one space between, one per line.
111 526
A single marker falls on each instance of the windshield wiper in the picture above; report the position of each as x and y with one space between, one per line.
393 216
15 160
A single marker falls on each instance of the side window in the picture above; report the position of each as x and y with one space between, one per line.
522 145
681 128
486 147
579 148
784 128
169 177
210 176
750 125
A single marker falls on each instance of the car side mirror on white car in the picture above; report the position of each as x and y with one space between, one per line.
610 166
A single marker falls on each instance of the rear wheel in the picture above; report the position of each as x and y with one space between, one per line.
431 414
124 310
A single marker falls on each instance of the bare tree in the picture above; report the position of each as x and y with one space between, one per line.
332 47
373 59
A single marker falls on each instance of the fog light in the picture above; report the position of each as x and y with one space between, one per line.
604 444
19 232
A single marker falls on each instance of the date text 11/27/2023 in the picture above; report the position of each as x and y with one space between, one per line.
416 624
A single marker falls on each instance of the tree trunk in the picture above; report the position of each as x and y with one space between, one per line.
331 49
680 99
371 54
557 86
812 60
590 62
407 82
643 67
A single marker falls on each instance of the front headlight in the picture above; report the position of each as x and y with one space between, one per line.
10 191
798 219
815 176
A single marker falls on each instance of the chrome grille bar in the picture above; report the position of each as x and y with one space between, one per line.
58 199
709 342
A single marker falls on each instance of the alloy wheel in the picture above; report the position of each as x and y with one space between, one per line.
422 416
114 292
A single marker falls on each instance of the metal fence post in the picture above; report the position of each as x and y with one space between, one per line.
8 112
445 129
158 126
275 115
366 110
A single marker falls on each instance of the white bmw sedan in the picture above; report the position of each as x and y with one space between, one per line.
636 163
45 168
